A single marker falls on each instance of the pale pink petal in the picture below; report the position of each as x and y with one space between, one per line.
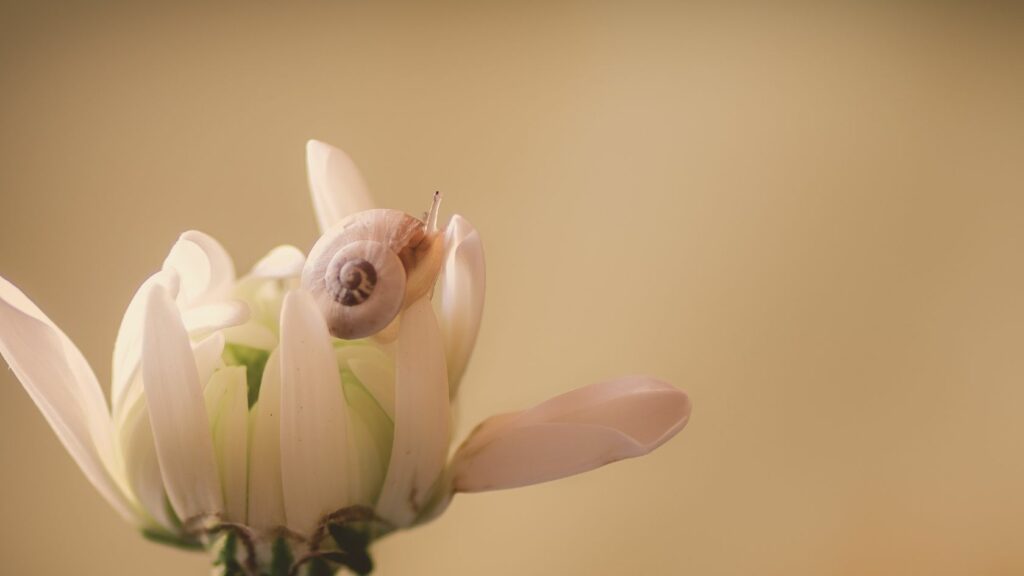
266 499
280 263
227 404
58 379
337 187
206 270
422 416
128 345
314 426
207 318
181 428
461 296
572 433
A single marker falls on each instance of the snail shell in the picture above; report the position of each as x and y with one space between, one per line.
370 266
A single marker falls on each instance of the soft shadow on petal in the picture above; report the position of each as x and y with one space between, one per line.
206 270
461 296
227 404
210 317
181 428
569 434
61 383
314 428
266 500
422 416
280 263
337 187
128 345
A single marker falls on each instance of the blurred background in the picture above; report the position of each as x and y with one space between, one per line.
809 217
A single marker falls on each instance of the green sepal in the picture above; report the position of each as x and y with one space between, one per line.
281 559
353 544
166 538
320 567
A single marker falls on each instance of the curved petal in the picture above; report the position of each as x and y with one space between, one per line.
227 404
569 434
461 296
128 345
181 428
314 427
142 468
210 317
280 263
421 417
266 500
206 270
58 379
337 187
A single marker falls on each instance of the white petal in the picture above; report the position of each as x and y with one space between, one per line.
375 371
421 417
371 433
128 345
280 263
58 379
252 335
208 353
337 186
570 434
209 317
227 404
142 468
266 500
206 270
181 429
461 295
314 427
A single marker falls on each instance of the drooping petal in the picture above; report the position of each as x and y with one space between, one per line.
266 499
314 428
280 263
181 428
208 353
461 295
569 434
206 270
210 317
61 383
421 417
128 345
337 187
227 405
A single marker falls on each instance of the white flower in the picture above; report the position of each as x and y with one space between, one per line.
238 422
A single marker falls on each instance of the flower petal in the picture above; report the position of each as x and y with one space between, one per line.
314 428
128 345
209 317
337 186
181 428
421 417
266 500
206 270
227 404
572 433
142 468
61 383
280 263
461 296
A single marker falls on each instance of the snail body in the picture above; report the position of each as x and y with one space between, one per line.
372 265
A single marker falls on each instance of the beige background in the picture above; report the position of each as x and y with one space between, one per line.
810 218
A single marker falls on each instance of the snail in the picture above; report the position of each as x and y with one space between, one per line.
372 265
